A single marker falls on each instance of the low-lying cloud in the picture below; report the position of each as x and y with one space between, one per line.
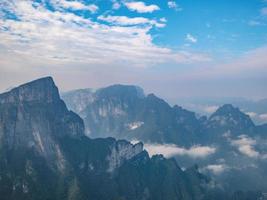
245 145
216 168
170 150
262 118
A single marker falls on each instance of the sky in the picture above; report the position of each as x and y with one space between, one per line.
173 48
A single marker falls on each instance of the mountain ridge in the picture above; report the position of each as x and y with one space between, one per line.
45 154
112 116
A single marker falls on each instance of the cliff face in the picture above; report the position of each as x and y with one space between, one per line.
34 116
121 151
41 90
44 154
125 112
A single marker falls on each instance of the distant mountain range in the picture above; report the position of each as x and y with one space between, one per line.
256 109
126 112
46 155
227 144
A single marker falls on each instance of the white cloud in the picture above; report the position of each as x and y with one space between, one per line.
141 7
252 114
191 38
116 5
60 37
245 145
216 168
202 108
210 109
163 19
264 11
74 5
227 134
173 5
263 117
169 150
126 21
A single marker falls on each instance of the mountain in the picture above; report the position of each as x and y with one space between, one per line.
228 115
239 146
229 119
257 109
79 99
125 112
45 154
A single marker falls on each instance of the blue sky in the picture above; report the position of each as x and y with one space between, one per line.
175 48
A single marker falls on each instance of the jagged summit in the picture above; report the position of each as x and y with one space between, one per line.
231 118
43 90
226 109
33 115
229 111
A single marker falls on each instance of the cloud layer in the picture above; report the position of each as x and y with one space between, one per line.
216 168
63 36
245 145
170 150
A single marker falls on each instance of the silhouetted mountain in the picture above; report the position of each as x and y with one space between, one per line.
44 154
125 112
229 117
257 109
240 145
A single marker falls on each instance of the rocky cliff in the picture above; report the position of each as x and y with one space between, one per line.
44 154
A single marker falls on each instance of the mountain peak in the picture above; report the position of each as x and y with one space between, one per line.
230 116
34 116
122 91
43 90
227 108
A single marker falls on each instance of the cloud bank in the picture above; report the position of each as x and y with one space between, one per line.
74 5
58 35
245 145
262 118
216 168
170 150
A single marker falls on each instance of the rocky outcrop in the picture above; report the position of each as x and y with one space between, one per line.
125 112
41 90
122 150
33 116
